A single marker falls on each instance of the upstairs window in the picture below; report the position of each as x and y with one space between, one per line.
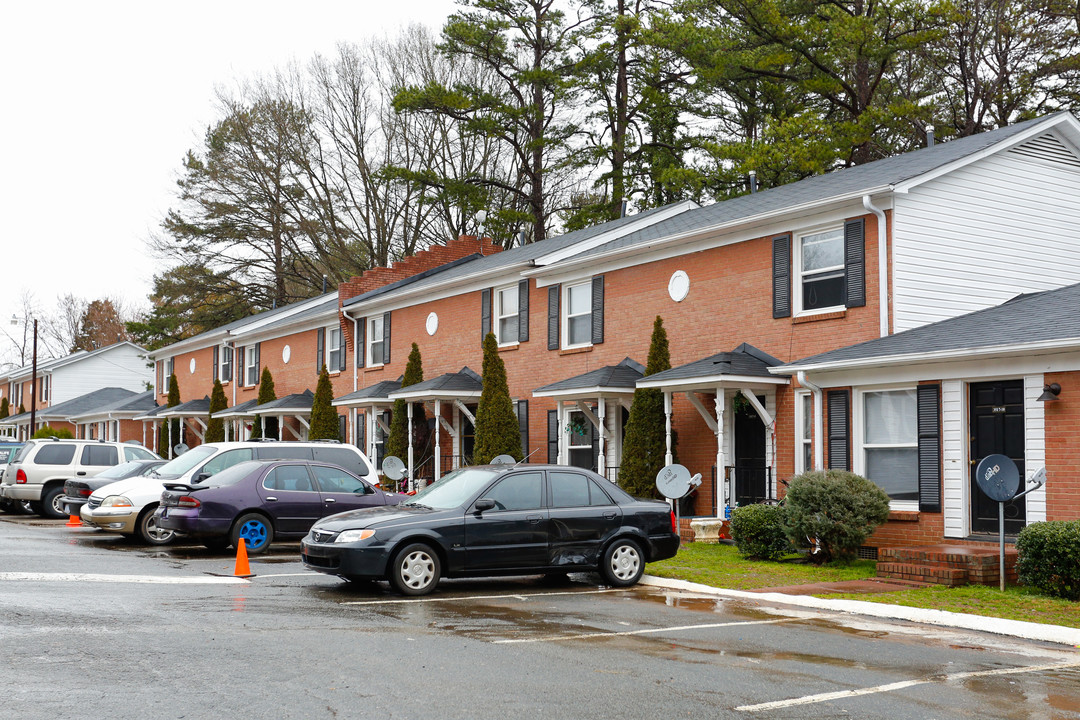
506 314
251 363
820 279
225 368
375 341
577 324
334 361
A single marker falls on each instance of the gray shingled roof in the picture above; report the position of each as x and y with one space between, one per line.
744 361
624 375
853 180
287 404
151 413
464 381
1046 317
87 403
191 408
411 279
378 391
138 404
239 410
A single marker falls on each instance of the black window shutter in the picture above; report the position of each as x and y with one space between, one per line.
523 311
359 343
320 350
781 276
485 313
258 364
523 425
594 439
213 375
361 432
553 316
598 309
386 338
341 353
343 427
929 412
553 436
855 262
238 357
839 430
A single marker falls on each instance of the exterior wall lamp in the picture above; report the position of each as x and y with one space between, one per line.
1050 393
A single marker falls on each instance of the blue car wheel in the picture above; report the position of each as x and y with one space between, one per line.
256 532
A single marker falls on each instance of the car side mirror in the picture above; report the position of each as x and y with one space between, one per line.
200 477
483 504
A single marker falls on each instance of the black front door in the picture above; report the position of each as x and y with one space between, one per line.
997 427
749 455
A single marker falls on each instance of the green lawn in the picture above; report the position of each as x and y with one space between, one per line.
722 566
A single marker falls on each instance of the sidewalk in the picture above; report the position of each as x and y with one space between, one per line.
795 595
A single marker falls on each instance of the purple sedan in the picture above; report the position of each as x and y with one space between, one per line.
259 500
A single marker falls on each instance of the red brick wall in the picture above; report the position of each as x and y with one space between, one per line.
1063 448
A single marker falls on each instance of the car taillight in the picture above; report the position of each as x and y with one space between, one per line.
85 492
674 525
20 476
188 501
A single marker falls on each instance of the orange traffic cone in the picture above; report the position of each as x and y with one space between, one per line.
73 521
242 569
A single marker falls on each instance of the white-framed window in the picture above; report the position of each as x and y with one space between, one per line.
577 315
506 315
45 387
888 435
169 370
225 364
251 366
375 341
804 432
333 349
819 271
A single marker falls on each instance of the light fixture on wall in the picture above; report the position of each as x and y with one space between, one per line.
1050 392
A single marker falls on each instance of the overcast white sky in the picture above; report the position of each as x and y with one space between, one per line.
100 102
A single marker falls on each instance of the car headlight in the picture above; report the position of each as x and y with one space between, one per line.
116 501
354 536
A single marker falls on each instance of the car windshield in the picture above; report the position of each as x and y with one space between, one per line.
231 475
120 471
178 466
454 490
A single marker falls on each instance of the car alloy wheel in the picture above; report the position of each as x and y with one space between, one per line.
623 564
415 570
256 532
149 531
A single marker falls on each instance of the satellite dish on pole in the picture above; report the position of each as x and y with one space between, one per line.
179 448
393 467
998 477
503 460
674 481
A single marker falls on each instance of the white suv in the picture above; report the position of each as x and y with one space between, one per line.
127 506
40 468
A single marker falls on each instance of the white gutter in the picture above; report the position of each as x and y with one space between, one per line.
818 424
883 264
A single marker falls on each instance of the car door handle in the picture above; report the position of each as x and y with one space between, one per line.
330 500
271 498
81 472
534 518
609 516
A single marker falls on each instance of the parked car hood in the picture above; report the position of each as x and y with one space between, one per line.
379 517
140 490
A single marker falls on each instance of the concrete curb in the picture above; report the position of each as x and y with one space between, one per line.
963 621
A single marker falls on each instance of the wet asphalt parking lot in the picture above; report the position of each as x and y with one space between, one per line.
96 627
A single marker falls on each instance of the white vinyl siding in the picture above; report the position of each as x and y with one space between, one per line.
982 234
954 451
1034 446
123 366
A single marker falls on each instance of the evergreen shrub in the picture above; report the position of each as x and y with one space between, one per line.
48 431
758 531
1049 558
837 508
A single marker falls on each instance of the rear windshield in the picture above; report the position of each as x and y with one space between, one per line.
23 452
6 453
178 466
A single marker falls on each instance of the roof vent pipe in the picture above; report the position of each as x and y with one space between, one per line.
324 284
622 210
929 136
753 181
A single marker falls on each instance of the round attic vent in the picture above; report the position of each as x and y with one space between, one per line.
678 286
432 323
286 353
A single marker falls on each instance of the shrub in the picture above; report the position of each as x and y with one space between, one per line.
758 531
497 429
324 417
48 431
1049 558
837 508
644 441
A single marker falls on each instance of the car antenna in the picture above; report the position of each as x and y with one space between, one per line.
526 457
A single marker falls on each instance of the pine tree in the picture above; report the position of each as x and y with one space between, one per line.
5 408
497 429
324 418
164 448
266 394
644 446
215 427
397 443
22 409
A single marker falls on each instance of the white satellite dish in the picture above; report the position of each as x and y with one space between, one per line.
674 481
179 448
503 460
393 468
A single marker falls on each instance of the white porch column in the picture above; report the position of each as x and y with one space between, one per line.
456 446
168 423
721 459
601 460
668 459
560 458
262 425
410 433
438 439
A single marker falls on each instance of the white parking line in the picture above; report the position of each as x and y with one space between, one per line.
152 579
825 697
303 574
481 597
673 628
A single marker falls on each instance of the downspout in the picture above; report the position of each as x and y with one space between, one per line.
883 264
816 391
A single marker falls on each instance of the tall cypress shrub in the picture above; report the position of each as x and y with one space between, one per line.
266 394
644 445
324 418
164 449
497 429
397 444
215 427
5 408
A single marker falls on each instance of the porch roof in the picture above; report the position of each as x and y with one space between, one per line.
191 408
610 380
462 385
743 365
295 404
151 414
84 404
128 407
377 394
240 410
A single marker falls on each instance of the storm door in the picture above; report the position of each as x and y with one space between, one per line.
750 463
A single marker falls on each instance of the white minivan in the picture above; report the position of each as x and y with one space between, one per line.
127 506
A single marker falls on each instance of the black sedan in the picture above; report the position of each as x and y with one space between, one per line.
78 491
497 520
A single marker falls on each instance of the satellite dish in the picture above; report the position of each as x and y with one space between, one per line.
674 481
998 477
179 449
393 468
503 460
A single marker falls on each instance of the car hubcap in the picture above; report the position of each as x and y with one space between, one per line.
253 533
59 506
417 569
159 534
625 562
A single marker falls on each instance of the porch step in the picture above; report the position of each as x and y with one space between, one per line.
949 565
928 574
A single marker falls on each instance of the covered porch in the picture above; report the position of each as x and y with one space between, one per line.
374 401
235 420
193 414
296 406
